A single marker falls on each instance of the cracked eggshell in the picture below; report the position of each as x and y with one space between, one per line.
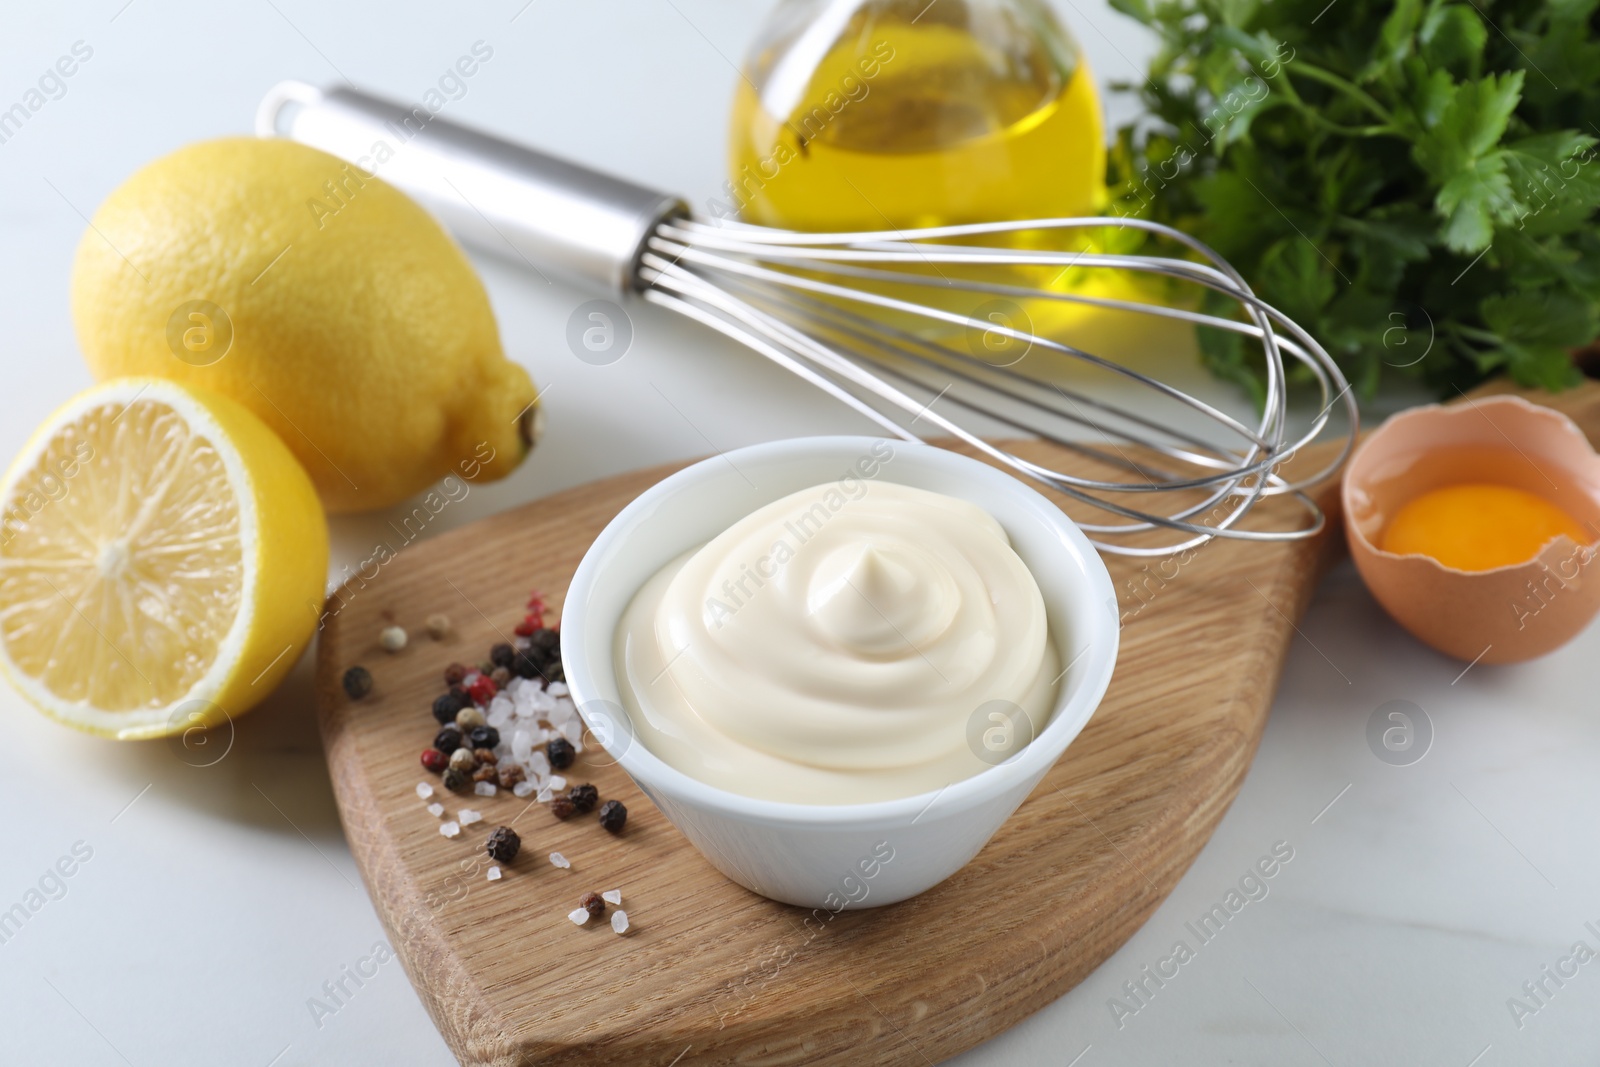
1507 614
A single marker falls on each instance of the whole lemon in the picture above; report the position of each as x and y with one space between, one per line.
318 296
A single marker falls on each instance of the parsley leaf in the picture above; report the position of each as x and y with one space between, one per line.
1434 163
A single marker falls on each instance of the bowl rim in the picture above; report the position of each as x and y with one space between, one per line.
1068 716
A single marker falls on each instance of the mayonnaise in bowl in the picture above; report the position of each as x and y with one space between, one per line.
834 646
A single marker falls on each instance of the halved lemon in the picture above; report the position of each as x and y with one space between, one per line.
162 559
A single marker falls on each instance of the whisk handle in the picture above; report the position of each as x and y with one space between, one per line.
504 198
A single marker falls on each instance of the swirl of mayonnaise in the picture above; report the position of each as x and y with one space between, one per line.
834 647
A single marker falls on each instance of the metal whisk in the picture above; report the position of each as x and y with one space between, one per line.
878 320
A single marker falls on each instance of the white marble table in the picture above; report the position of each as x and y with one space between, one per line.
207 906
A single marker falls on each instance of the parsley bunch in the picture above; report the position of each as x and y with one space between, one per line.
1414 181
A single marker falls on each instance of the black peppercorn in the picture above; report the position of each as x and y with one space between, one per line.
525 666
448 740
503 844
584 797
594 904
562 807
454 673
613 816
545 650
561 753
357 682
446 706
501 655
456 779
484 737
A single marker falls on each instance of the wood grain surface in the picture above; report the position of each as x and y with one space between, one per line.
714 974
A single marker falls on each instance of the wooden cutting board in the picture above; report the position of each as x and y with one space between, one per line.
714 974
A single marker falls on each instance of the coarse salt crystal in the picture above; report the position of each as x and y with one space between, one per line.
468 816
522 746
538 765
557 782
558 860
494 874
612 897
579 916
424 790
557 689
545 795
436 809
450 829
572 730
522 789
485 789
619 921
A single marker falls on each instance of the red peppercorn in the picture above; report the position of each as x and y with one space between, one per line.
526 627
435 760
482 689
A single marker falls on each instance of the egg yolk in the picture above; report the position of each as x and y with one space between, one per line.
1477 527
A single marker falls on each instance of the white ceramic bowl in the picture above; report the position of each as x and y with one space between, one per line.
845 855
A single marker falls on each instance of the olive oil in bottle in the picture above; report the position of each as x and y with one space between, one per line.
897 114
879 114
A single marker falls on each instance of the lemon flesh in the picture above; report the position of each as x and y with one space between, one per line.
162 556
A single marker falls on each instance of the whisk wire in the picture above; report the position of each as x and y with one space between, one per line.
771 290
875 319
